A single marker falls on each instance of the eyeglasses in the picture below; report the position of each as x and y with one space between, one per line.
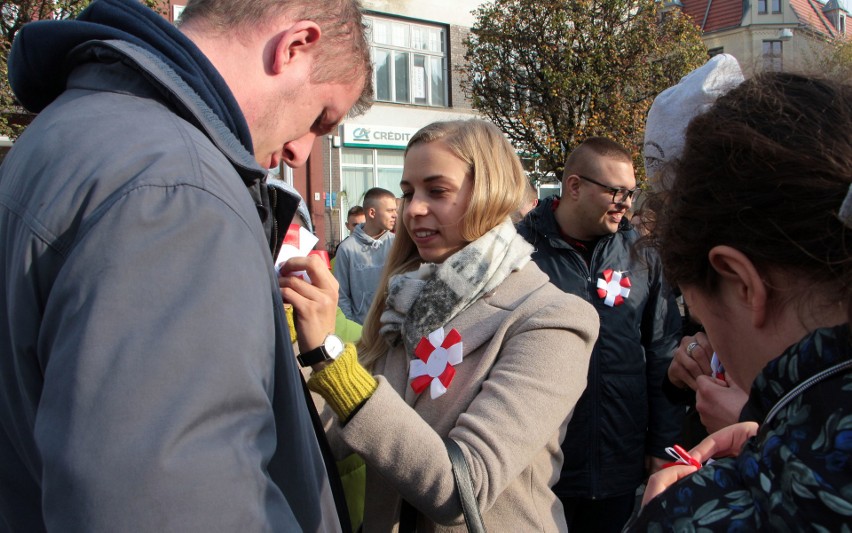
616 191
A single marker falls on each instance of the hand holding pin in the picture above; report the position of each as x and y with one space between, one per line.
681 457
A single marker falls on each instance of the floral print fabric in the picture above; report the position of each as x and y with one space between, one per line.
796 474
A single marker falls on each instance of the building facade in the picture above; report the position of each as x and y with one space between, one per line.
770 34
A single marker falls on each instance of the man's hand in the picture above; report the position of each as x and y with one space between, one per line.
315 303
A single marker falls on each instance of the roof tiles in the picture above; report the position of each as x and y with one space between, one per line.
723 14
809 13
726 14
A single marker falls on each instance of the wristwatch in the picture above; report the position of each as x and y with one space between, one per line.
329 350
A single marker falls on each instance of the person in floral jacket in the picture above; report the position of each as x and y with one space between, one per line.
755 232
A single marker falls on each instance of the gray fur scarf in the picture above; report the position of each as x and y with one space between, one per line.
425 299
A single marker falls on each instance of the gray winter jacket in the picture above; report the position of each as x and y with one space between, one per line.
358 267
147 381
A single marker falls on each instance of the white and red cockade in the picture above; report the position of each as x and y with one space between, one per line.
436 354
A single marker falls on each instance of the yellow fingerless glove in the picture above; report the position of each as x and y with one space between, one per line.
344 384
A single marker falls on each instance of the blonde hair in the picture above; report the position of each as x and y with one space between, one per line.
499 186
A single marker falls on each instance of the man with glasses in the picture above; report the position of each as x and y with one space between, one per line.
623 422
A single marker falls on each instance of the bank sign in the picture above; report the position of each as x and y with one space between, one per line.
367 136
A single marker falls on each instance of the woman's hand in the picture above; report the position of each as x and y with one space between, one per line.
727 442
724 443
663 479
718 402
315 303
654 464
687 365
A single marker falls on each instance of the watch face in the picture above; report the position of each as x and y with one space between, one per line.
333 346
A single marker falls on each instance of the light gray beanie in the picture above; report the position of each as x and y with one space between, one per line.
673 108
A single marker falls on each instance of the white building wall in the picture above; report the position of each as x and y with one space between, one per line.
445 11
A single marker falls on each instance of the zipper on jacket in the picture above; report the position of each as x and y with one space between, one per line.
595 427
273 205
594 482
803 386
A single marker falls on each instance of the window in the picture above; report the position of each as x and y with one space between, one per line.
715 51
363 169
761 7
410 62
842 26
776 6
772 56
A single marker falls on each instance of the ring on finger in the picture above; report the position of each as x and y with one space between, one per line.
690 347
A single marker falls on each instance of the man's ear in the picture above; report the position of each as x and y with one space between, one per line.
289 45
744 281
571 186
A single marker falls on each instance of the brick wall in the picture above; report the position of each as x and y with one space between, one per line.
456 56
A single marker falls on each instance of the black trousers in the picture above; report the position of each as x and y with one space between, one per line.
598 516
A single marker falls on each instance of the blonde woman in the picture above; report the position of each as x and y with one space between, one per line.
466 339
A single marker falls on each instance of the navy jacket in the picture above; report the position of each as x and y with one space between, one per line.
796 473
623 415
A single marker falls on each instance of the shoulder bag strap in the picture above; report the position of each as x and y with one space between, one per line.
464 485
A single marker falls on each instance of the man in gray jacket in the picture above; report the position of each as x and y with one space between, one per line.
361 257
147 381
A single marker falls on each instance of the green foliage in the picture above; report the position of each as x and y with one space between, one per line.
13 15
550 73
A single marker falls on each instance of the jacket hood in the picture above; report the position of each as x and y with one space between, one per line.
540 219
362 237
45 52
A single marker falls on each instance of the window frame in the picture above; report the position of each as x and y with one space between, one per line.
373 167
415 45
770 59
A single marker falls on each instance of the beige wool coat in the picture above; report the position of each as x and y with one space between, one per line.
526 354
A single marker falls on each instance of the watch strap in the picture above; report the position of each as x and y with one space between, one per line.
312 357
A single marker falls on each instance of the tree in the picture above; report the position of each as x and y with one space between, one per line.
13 15
550 73
833 60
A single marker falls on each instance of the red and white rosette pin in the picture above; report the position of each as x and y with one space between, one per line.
614 287
299 242
436 357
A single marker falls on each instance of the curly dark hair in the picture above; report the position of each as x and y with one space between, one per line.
764 170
